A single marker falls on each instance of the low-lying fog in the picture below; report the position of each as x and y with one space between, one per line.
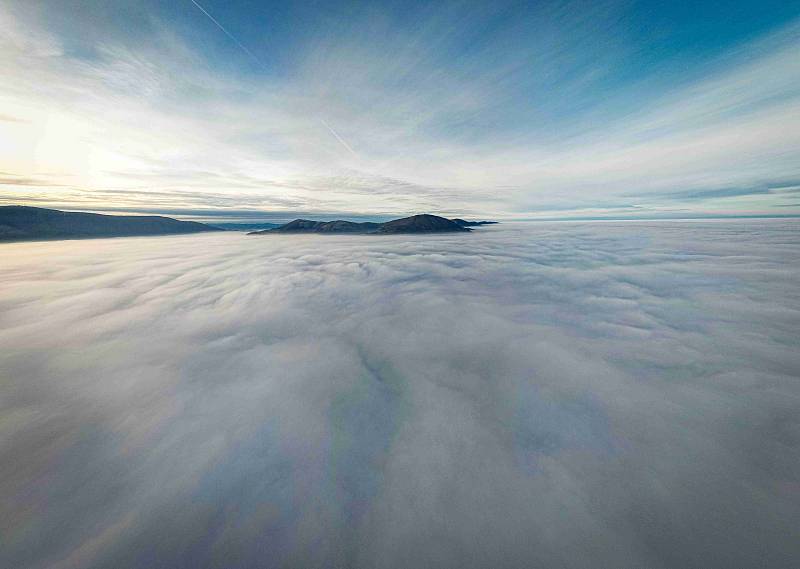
620 395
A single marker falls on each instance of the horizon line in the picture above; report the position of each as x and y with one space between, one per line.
250 217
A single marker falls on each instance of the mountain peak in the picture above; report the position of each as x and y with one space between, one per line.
422 223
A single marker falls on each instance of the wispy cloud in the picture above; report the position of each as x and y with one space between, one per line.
512 127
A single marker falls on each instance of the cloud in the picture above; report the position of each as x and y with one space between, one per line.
556 395
456 119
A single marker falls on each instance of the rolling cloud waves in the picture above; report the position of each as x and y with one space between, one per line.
549 395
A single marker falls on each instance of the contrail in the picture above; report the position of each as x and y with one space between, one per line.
339 138
258 61
227 33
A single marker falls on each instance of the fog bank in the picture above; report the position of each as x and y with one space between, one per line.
530 395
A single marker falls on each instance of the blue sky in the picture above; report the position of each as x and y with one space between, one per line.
515 110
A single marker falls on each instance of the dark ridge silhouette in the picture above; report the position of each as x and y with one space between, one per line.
308 226
465 223
424 223
23 223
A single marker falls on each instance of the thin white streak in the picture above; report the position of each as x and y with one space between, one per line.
227 33
250 53
339 138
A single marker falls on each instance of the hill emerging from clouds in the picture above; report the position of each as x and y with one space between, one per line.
423 223
22 223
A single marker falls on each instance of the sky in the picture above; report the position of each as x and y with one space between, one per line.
245 111
556 394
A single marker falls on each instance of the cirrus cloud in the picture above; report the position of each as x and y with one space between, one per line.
376 115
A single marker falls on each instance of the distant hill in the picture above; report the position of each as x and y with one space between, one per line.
21 223
338 226
424 223
465 223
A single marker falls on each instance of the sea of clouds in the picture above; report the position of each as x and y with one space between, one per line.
620 395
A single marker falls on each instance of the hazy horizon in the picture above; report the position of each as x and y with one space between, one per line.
227 218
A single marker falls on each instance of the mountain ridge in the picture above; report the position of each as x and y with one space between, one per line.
26 223
421 223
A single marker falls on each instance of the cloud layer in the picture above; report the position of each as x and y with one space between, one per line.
550 395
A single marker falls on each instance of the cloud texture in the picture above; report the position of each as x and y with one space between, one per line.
549 395
509 109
